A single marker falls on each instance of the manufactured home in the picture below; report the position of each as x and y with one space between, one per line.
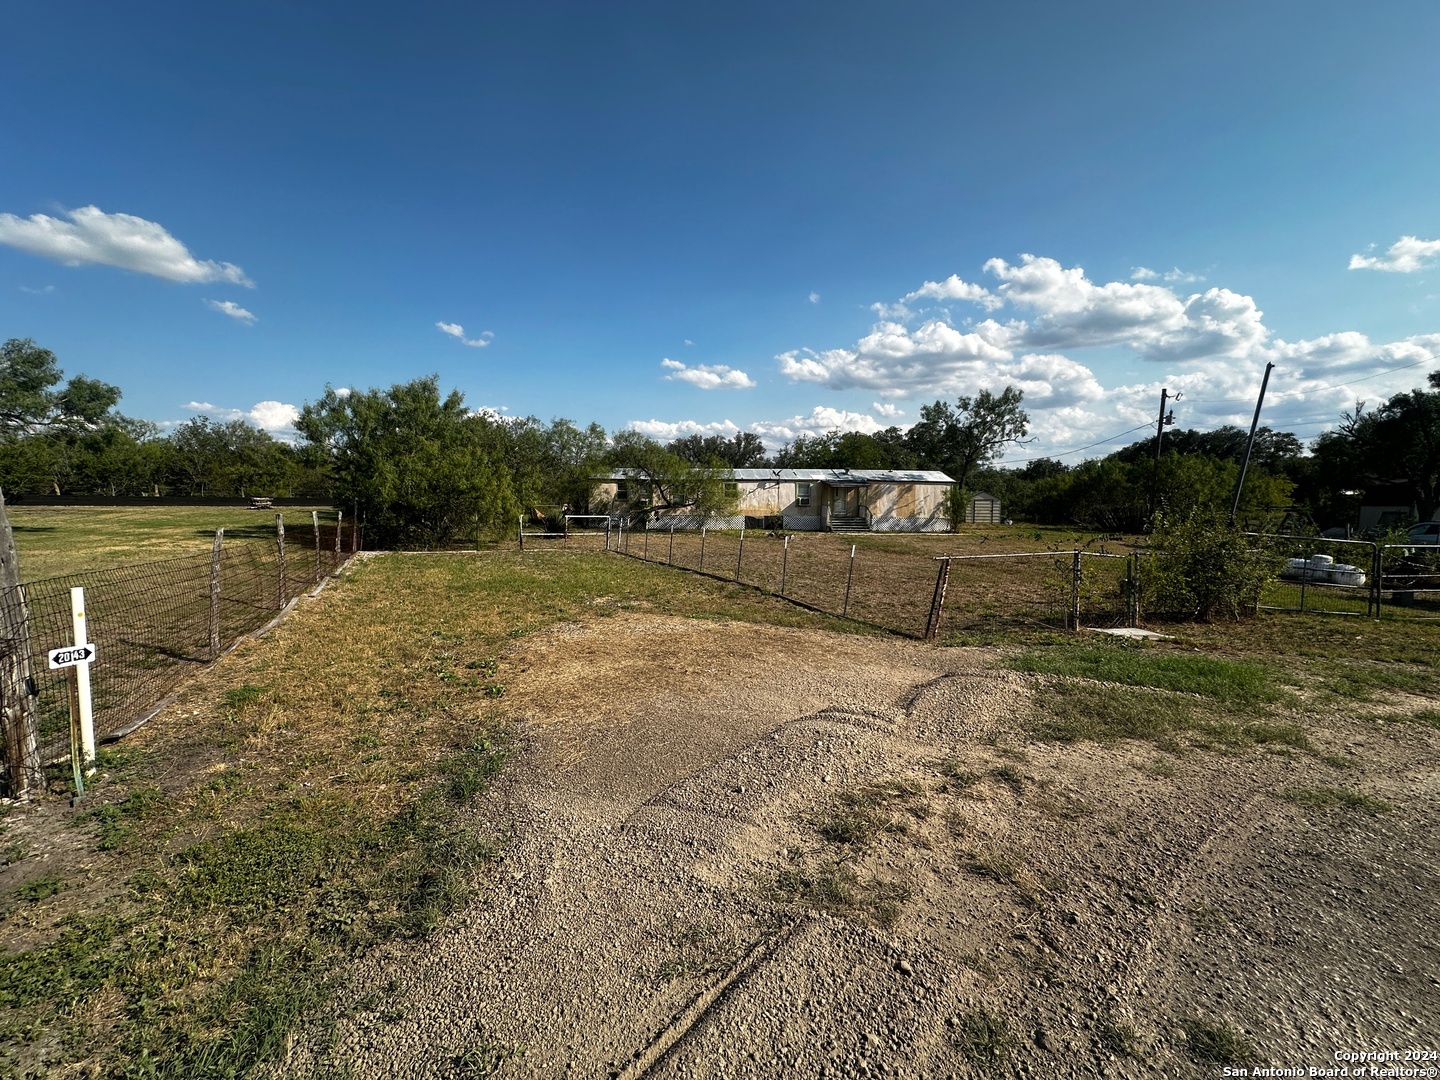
798 500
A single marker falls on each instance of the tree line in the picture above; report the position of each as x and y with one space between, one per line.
422 467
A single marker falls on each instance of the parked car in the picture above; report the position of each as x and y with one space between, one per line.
1424 532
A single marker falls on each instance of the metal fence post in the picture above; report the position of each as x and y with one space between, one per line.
1075 593
739 558
849 577
521 534
701 568
1132 600
937 602
215 595
1377 567
339 528
670 558
315 525
784 563
645 544
280 548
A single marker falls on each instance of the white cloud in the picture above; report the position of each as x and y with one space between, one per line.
1182 277
1405 256
41 291
234 310
887 410
689 342
821 419
707 376
1143 273
123 240
814 298
457 331
664 431
952 288
272 416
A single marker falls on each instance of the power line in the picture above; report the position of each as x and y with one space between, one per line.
1429 359
1077 450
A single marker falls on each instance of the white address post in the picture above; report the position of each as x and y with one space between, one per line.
80 674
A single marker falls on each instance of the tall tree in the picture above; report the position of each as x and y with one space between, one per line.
422 469
1399 441
705 488
30 400
973 431
744 451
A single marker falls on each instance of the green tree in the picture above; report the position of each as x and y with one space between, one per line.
744 451
705 489
973 431
1399 441
422 469
30 400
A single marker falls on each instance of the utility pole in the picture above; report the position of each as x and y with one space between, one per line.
1160 425
1250 444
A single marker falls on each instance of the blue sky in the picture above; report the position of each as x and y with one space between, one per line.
778 217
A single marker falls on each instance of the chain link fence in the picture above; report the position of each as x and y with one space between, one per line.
152 624
1354 577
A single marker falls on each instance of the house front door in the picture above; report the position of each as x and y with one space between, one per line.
845 502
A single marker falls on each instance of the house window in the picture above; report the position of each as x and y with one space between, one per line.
802 494
622 491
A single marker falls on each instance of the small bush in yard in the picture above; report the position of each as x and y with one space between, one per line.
1201 567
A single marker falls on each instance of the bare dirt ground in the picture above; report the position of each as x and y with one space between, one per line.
664 905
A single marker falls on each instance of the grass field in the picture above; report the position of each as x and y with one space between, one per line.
307 801
56 540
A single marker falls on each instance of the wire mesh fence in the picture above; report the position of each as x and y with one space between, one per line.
152 624
901 590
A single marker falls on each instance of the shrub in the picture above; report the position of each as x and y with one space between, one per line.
1200 566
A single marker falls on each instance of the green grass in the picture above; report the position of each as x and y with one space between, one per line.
56 540
1328 798
1232 682
1217 1044
288 816
984 1039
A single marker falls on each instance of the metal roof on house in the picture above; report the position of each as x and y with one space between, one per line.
834 477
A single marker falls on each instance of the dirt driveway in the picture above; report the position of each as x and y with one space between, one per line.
729 850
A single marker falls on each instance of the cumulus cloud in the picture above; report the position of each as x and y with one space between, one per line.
457 331
272 416
234 310
1143 273
887 410
124 240
707 376
1405 256
820 420
814 298
665 431
952 288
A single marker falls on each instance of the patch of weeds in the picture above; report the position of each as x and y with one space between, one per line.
834 886
957 776
482 1060
700 950
1421 717
472 770
1234 682
115 823
37 889
1357 680
367 741
1161 768
984 1039
1223 735
238 697
1118 1037
1207 918
1011 778
859 818
1328 798
1217 1044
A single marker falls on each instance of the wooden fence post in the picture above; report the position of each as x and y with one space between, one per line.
741 556
315 525
215 595
280 548
17 705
